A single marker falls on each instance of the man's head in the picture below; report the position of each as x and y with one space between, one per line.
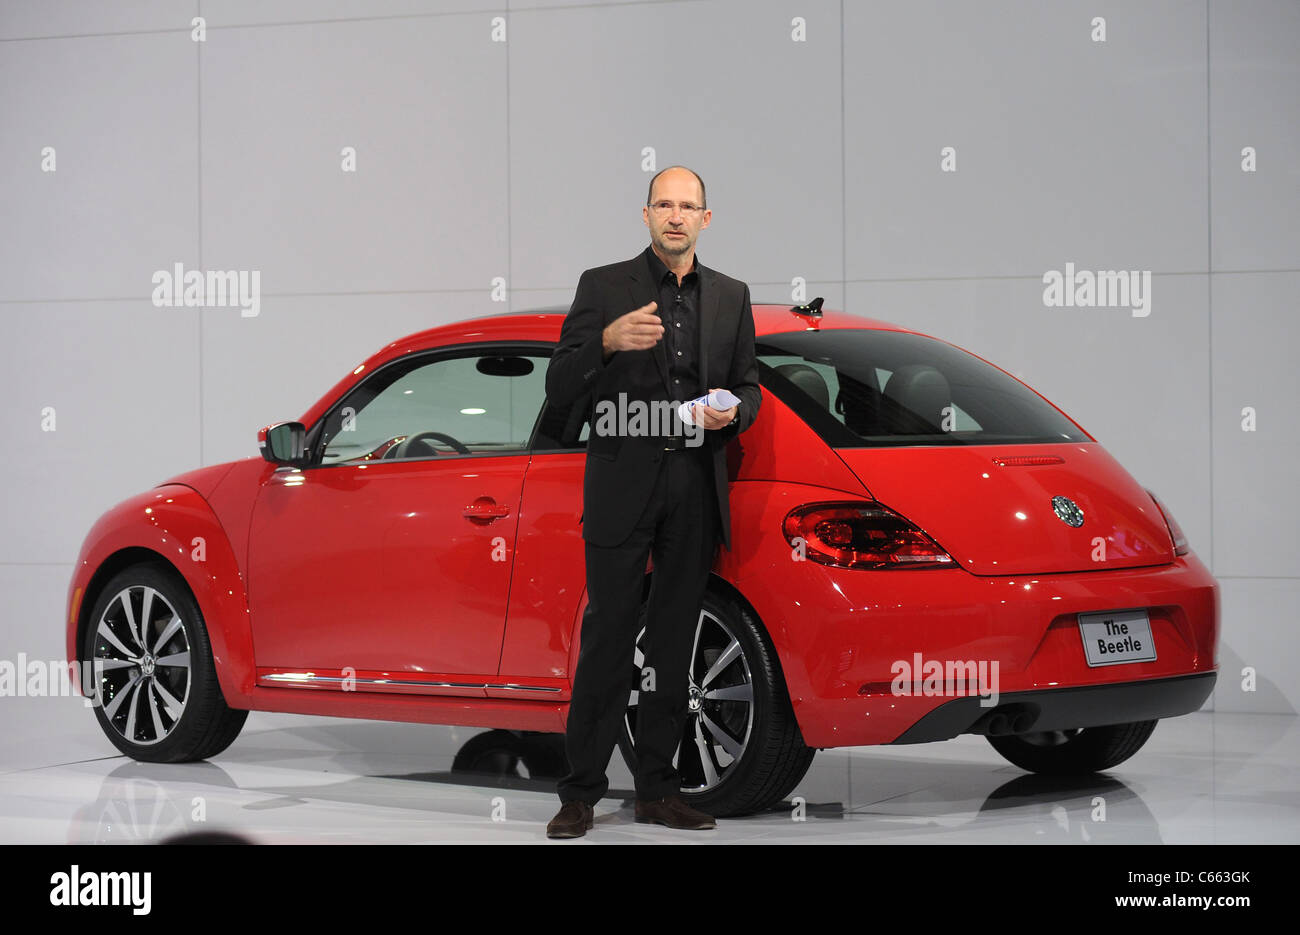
676 211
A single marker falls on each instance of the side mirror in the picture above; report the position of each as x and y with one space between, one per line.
283 443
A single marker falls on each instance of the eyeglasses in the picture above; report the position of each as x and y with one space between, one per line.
662 208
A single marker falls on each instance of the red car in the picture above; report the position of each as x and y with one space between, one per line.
922 547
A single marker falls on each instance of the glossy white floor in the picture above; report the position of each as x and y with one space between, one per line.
1202 778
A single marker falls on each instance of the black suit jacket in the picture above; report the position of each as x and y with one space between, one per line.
621 470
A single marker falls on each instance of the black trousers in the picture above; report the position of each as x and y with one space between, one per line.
679 527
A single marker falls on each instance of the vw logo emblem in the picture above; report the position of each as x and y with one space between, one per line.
1068 511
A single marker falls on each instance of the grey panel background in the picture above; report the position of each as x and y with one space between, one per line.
526 160
1067 149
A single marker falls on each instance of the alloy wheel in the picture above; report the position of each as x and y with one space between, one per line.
142 654
720 705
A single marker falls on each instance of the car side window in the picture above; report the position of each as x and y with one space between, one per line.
821 383
860 387
564 428
468 403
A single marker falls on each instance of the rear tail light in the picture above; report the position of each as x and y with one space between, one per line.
1175 531
861 535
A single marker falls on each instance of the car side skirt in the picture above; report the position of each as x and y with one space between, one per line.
509 714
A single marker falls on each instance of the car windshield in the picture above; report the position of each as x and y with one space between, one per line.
861 388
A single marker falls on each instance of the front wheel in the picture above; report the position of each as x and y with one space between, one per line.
741 749
1074 752
156 692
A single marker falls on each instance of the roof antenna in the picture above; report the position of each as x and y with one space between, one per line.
811 313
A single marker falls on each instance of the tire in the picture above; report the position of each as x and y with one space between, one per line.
491 753
1074 752
767 756
501 753
158 702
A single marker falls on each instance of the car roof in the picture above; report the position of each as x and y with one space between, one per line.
543 324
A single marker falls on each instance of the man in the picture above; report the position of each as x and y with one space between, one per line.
659 328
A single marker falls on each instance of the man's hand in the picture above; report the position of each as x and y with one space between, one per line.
638 330
709 418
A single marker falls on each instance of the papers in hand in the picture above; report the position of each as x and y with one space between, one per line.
719 399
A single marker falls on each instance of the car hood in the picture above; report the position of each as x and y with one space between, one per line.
204 479
991 507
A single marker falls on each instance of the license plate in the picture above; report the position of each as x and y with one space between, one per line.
1115 638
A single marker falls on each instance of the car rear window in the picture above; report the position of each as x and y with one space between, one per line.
861 388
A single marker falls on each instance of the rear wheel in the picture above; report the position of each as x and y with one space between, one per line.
1080 750
157 698
741 749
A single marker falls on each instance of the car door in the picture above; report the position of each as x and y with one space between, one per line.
550 565
389 559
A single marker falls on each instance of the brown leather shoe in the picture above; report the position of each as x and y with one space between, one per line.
674 813
573 820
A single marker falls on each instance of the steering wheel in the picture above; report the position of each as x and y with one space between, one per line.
404 449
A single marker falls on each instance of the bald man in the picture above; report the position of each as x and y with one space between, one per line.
660 328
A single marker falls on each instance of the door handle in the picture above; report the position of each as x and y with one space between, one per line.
485 510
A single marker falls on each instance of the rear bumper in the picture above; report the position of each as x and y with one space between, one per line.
843 637
1065 708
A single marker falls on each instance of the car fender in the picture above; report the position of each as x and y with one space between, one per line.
178 527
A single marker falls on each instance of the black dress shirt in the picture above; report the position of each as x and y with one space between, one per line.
679 309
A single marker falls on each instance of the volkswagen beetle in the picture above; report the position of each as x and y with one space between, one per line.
922 547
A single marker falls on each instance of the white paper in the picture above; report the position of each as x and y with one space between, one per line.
720 399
